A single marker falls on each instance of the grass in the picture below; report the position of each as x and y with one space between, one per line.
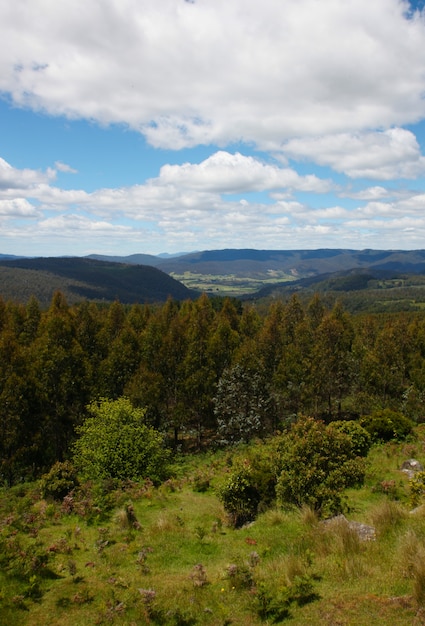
230 285
167 556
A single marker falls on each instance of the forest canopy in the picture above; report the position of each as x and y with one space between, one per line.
209 371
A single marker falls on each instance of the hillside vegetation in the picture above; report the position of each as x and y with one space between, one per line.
131 553
86 279
367 280
176 463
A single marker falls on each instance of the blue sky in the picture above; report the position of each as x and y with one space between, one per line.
152 126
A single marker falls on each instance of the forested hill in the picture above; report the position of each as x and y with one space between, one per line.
299 263
82 278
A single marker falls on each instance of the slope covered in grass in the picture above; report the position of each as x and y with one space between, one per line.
134 554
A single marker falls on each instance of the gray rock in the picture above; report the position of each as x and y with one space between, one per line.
363 531
411 467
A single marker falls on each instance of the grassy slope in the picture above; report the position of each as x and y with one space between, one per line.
97 567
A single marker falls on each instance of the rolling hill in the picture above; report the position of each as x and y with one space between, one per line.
83 278
253 273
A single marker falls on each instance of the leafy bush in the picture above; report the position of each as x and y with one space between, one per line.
240 496
114 442
359 436
317 463
387 425
274 605
417 488
59 481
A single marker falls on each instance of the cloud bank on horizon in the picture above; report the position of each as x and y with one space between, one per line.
277 124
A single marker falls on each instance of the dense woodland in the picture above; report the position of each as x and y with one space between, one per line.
208 371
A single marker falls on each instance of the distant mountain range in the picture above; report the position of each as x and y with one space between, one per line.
298 263
148 278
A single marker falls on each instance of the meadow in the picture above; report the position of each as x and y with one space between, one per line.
131 553
231 285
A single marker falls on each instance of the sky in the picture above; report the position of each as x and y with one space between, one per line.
152 126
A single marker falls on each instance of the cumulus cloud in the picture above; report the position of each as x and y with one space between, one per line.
12 179
381 155
370 193
18 207
70 224
235 173
216 71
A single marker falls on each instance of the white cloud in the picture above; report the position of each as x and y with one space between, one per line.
216 71
18 207
63 167
384 155
371 193
13 179
69 225
188 207
234 173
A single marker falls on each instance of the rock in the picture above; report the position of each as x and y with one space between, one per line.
363 531
411 467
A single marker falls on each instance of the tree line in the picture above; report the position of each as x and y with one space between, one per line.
209 370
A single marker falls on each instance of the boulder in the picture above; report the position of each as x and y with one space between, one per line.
411 467
363 531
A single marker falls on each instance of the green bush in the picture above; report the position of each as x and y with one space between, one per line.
59 481
359 436
114 442
240 496
316 464
387 425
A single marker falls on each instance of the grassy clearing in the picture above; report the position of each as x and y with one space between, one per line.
141 555
230 285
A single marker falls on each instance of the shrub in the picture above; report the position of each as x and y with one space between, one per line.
417 488
317 463
359 436
239 496
114 442
59 481
387 425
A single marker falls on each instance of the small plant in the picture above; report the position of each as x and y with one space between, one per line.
272 605
103 539
240 575
148 596
199 576
59 481
253 559
417 488
33 589
126 518
388 488
72 568
200 532
201 482
141 559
